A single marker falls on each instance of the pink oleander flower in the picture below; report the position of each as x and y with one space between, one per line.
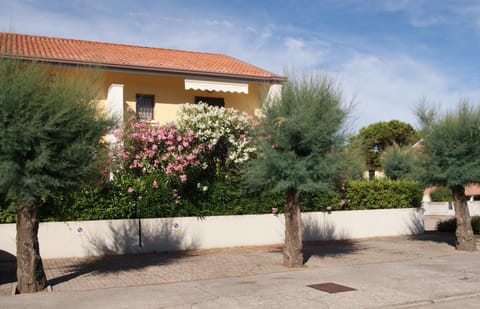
155 184
130 190
183 178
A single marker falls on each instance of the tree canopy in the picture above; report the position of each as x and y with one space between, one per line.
375 138
301 137
299 149
452 143
401 162
50 141
50 133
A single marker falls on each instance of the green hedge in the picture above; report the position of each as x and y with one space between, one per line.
441 194
225 196
450 225
380 194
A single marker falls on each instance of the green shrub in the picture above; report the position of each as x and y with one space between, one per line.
8 213
441 194
7 216
450 225
319 202
226 196
129 196
380 194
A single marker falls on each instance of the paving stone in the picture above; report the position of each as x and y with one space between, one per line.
80 274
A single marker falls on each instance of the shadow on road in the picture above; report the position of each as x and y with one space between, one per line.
114 264
127 248
8 272
329 248
438 237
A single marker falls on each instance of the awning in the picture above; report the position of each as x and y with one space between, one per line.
209 85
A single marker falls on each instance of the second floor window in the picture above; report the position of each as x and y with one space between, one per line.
144 107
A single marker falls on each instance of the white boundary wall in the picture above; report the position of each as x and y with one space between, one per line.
447 208
110 237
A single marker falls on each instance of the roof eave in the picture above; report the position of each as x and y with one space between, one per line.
274 79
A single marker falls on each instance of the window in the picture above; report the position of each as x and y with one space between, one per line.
145 107
219 102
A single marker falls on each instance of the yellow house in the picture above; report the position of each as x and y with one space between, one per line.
153 82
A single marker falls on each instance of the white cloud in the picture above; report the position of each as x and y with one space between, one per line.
293 44
425 13
215 22
390 87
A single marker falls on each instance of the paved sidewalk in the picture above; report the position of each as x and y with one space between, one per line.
385 272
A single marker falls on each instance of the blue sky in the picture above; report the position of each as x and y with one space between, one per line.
386 55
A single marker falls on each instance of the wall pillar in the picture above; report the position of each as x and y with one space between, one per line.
115 102
115 109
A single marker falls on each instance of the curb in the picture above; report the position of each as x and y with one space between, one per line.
434 301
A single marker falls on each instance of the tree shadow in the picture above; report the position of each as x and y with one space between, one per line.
438 237
322 238
417 231
8 266
416 224
7 256
123 247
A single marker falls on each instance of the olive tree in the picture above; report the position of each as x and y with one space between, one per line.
50 141
451 144
300 137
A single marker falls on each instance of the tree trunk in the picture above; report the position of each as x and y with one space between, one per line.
30 275
464 233
293 248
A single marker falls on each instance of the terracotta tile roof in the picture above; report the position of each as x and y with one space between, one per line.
130 57
472 189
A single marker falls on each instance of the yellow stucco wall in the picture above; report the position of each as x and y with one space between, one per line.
92 78
169 91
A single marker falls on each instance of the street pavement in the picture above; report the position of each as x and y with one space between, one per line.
397 272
